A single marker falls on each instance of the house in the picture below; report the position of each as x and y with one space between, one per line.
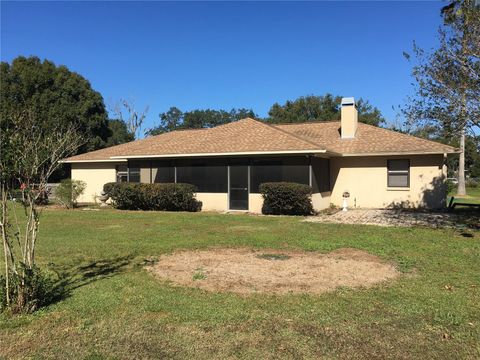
378 167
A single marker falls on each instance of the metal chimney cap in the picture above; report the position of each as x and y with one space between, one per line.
348 101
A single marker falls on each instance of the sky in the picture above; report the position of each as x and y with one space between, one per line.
223 55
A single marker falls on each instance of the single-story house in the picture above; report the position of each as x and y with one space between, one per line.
378 167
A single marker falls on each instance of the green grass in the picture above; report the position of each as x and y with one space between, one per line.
199 274
473 196
118 310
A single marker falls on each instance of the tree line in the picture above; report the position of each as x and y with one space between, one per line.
57 94
304 109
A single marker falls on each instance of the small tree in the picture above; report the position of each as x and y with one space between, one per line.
30 153
68 192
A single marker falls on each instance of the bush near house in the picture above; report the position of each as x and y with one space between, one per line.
68 192
162 197
284 198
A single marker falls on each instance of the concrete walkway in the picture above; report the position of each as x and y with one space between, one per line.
403 218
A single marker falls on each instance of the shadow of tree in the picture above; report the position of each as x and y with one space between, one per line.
74 277
433 204
433 196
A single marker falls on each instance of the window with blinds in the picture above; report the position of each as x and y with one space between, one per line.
398 173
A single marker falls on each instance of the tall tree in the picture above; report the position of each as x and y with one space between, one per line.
472 148
175 119
447 80
55 94
169 121
119 133
321 108
125 111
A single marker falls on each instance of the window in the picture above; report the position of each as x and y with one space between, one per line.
122 173
398 173
139 171
134 174
291 170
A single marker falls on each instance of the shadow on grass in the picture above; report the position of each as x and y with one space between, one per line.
74 277
467 217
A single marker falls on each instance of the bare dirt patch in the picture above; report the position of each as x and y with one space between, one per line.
248 271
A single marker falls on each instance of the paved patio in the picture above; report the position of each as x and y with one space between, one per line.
403 218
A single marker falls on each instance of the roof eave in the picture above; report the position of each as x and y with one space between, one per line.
398 153
240 153
161 156
73 161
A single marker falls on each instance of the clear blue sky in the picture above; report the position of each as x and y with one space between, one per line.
224 55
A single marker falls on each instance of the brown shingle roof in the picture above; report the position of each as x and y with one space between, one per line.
368 139
242 136
248 136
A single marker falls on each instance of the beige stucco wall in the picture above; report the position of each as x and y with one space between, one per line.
95 176
213 201
255 203
321 201
366 180
364 177
145 175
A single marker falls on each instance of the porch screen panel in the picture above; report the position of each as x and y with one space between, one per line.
163 172
134 174
277 170
320 175
208 176
139 171
264 171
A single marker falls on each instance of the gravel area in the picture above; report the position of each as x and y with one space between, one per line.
403 218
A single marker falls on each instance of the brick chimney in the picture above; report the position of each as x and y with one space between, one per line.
349 118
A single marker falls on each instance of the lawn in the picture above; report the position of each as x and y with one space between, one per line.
118 310
473 196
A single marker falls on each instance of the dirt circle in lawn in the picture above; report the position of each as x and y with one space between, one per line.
247 271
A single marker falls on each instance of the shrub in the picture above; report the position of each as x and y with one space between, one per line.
472 183
42 198
40 288
108 187
283 198
68 192
163 197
